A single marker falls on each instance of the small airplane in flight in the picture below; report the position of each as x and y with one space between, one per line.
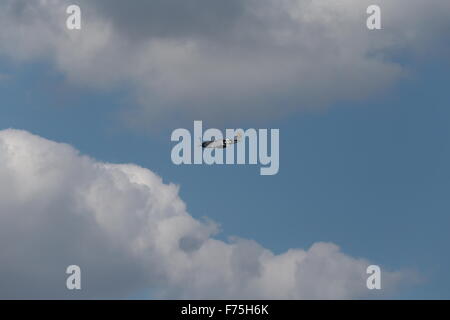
222 143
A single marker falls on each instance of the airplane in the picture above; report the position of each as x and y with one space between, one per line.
222 143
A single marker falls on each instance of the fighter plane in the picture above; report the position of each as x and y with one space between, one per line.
222 143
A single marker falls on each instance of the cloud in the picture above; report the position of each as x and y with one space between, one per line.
130 233
211 59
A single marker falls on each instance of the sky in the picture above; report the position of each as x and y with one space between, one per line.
363 119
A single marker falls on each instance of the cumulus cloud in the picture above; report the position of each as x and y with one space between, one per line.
212 59
131 234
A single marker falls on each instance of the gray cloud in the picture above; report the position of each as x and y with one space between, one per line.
129 232
213 60
172 18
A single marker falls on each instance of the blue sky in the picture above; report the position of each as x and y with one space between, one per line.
363 156
370 176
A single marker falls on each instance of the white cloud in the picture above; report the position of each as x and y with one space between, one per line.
130 233
257 58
